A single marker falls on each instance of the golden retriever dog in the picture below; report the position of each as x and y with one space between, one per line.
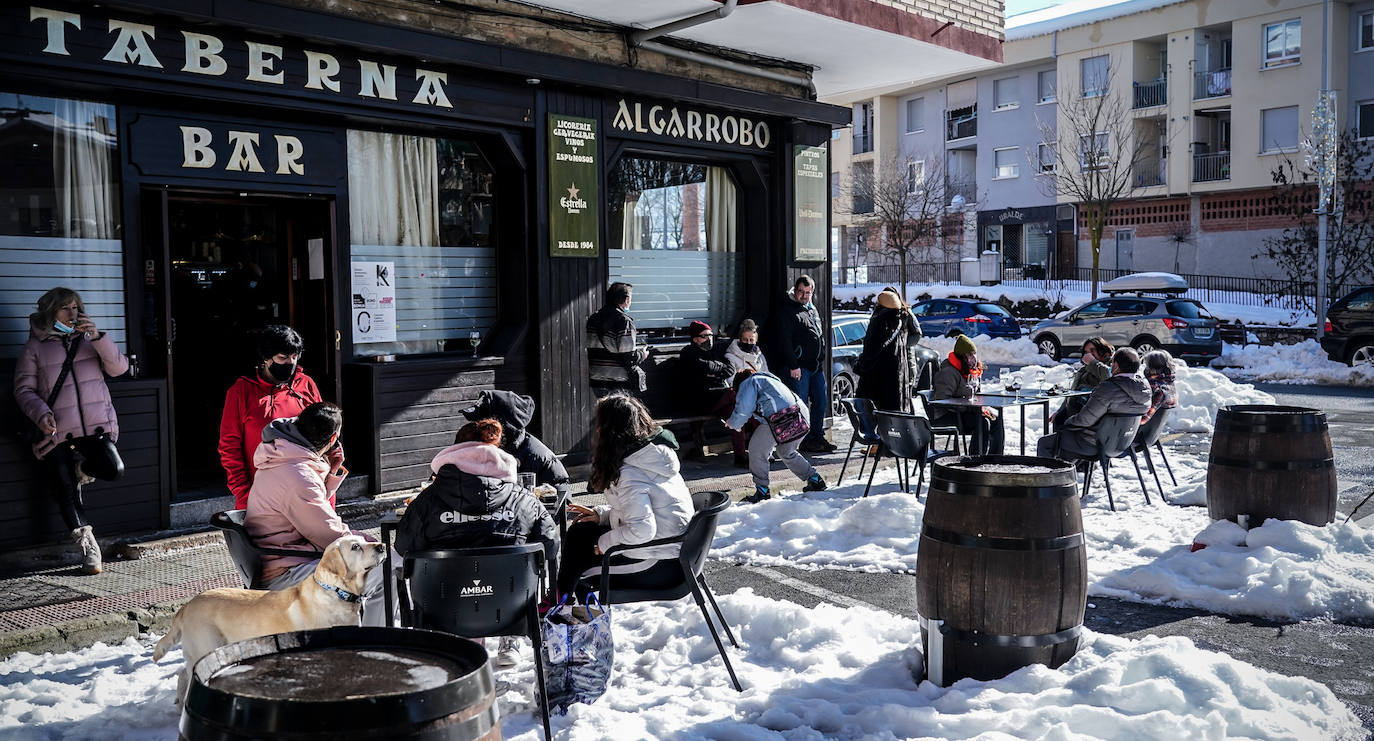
218 617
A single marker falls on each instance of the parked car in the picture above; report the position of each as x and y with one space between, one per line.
937 316
1349 333
847 330
1180 325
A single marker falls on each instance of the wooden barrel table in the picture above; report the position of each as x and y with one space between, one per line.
349 682
1001 568
1271 461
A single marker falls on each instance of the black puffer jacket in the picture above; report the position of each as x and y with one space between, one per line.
798 341
514 411
475 502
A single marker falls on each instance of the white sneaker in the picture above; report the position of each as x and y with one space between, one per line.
507 654
90 550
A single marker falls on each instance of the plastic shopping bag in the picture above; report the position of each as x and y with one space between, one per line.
578 655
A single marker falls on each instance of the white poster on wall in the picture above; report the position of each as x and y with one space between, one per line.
374 302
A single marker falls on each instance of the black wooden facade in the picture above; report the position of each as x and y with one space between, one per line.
398 414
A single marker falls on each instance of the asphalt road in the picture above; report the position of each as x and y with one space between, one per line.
1338 655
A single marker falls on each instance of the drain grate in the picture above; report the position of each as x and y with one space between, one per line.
18 594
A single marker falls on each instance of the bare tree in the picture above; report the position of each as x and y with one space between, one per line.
1181 233
904 203
1095 153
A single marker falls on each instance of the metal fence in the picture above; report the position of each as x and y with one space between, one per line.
1211 84
961 127
1150 94
916 272
1207 167
1271 292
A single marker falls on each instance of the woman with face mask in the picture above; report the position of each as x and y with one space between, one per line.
59 384
276 388
743 353
1095 368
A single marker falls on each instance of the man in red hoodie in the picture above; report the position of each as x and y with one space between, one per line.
276 388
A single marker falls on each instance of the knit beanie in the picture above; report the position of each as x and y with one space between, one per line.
697 327
963 346
889 300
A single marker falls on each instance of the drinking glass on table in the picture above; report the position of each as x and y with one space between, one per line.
527 481
1004 378
474 339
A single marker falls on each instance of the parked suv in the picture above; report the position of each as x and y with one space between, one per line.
1180 325
847 332
1349 333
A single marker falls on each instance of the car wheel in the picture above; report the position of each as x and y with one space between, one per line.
1048 345
1361 352
841 387
1146 344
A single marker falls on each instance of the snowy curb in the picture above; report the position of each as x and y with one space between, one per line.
78 633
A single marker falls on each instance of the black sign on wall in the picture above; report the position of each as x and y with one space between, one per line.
237 150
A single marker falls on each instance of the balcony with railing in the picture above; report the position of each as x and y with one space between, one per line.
1210 167
1212 84
863 142
1150 94
961 123
1148 173
966 188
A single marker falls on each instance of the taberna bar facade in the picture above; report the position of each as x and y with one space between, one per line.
435 215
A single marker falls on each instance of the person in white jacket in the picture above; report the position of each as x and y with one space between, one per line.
744 353
634 463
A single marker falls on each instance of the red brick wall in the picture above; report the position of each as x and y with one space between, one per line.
1150 218
1249 210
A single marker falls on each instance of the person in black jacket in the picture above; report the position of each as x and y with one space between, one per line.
612 355
801 359
474 502
704 372
514 412
884 365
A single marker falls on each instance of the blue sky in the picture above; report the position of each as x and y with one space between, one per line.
1023 6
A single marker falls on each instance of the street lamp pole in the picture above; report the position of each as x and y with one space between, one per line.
1324 125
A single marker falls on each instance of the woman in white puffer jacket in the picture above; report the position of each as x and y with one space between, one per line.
634 463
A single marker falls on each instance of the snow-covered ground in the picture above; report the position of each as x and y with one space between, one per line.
1301 363
846 673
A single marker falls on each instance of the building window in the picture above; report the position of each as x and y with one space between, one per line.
1005 163
834 185
1046 155
1046 83
1282 44
1366 31
1092 151
59 212
862 187
1364 120
863 128
1095 73
915 115
673 235
1004 94
425 205
1279 129
916 176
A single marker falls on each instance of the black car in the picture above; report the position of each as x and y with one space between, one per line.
847 330
1349 333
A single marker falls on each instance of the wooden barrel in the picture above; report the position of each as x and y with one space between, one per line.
1271 461
349 682
1001 569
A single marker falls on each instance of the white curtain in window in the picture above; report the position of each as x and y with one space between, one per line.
631 235
82 172
720 210
394 185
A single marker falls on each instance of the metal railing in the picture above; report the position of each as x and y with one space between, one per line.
1148 94
863 142
1208 167
1148 173
1276 292
1211 83
966 188
961 127
916 272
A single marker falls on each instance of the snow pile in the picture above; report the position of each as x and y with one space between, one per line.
1301 363
1201 392
831 672
994 351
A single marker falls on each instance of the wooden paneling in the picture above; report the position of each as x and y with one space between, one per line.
136 503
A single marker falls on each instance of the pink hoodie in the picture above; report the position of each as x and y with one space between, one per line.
289 503
479 459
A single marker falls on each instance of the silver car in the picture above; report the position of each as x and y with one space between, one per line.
1180 325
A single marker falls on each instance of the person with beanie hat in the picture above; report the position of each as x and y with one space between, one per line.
704 373
884 365
958 378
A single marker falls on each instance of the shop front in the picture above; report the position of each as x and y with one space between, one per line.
1031 240
435 216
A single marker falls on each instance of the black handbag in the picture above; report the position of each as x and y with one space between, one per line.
28 430
99 457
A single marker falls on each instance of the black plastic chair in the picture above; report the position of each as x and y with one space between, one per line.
860 413
1149 434
515 574
949 432
1115 433
695 545
246 554
904 437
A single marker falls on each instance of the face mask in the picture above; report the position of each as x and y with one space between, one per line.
748 347
283 372
707 343
64 329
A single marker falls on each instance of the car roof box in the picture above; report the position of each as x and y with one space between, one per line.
1166 283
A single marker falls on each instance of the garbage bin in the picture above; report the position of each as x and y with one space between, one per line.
968 271
990 267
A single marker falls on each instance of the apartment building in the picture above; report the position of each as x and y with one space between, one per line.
1218 94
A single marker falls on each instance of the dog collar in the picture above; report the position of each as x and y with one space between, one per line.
339 592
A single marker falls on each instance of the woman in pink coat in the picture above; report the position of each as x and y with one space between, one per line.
78 428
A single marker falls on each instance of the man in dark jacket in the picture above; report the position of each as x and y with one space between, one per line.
612 357
704 374
514 412
1123 393
801 359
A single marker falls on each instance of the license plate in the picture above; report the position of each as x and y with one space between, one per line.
1205 332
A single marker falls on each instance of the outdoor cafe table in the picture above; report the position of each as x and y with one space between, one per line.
1007 399
558 507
